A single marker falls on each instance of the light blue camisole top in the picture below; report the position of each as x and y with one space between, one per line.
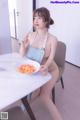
37 54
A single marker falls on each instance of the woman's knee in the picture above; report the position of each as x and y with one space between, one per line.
54 70
45 97
55 74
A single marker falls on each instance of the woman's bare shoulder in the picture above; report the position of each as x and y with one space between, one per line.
52 39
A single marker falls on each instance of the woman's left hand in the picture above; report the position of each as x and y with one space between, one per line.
43 67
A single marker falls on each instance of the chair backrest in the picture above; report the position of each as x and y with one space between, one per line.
60 54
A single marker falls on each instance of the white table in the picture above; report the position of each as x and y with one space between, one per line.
14 85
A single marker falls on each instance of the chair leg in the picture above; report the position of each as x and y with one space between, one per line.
53 95
28 108
62 83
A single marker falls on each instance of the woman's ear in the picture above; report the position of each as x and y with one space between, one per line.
47 24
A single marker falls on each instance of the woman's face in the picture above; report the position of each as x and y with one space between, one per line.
38 22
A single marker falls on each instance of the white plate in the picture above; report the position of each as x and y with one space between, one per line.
30 62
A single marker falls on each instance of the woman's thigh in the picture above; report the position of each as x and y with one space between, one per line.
47 88
36 93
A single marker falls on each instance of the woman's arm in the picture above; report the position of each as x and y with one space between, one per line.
24 45
53 45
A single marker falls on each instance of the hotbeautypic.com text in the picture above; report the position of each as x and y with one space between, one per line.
64 2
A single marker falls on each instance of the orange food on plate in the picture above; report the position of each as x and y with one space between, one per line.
26 68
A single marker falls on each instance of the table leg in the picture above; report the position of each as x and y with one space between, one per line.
28 108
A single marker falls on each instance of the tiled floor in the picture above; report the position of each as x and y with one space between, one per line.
67 100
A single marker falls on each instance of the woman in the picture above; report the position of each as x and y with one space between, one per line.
44 44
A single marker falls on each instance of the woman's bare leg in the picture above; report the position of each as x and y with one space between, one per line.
34 95
45 95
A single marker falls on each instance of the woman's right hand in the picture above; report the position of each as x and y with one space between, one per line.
25 42
24 46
